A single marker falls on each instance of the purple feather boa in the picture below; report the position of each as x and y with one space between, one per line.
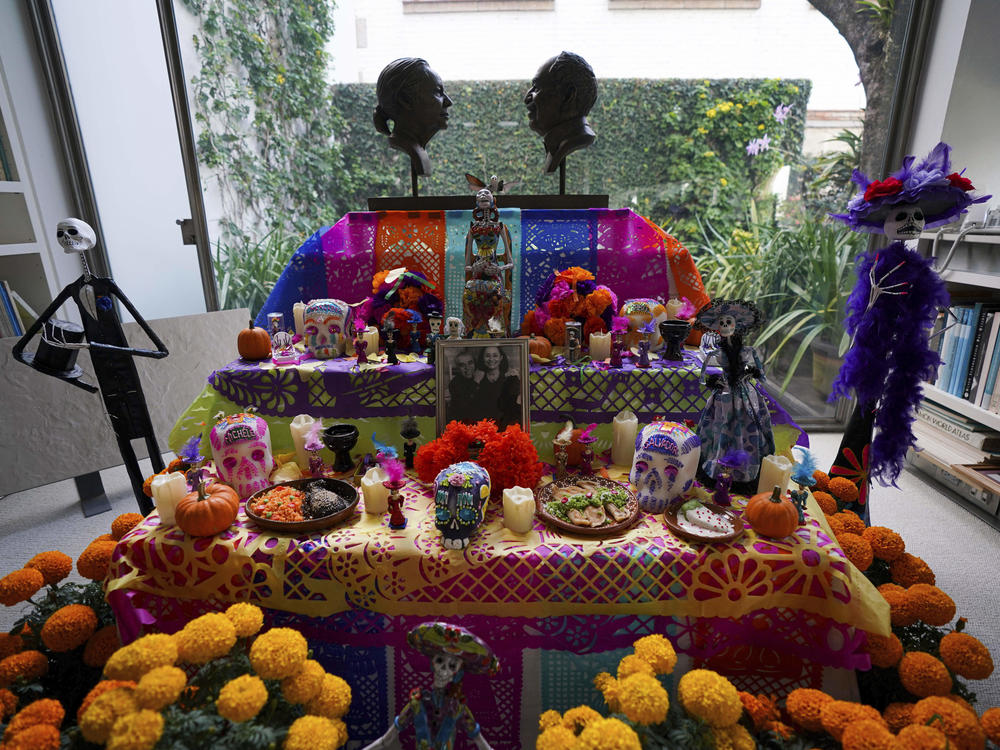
891 355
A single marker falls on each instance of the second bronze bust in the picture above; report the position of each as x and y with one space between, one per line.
562 93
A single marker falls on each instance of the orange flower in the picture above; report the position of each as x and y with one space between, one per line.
822 481
966 656
561 308
555 331
886 651
805 707
898 715
886 543
990 722
37 737
44 711
27 665
851 521
101 645
8 703
124 524
920 737
836 716
901 612
53 565
574 274
958 725
780 728
858 551
597 302
868 734
923 675
409 296
377 280
836 526
908 569
761 709
826 502
20 585
10 644
931 604
593 325
962 702
69 627
99 689
843 489
94 560
529 325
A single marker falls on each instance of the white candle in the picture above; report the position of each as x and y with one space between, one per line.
775 471
370 334
376 495
299 313
518 509
300 427
673 306
168 490
600 346
624 426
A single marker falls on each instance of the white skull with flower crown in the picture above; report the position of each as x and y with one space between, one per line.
241 449
325 327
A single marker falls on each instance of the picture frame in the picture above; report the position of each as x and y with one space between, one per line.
467 393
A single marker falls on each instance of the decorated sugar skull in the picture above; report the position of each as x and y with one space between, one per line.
904 222
640 312
665 463
460 493
241 449
325 323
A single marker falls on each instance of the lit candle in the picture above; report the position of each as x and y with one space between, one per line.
168 490
370 334
774 471
299 314
518 509
624 428
600 346
300 427
673 307
376 494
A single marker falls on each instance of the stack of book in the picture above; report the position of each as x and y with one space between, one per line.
971 355
11 323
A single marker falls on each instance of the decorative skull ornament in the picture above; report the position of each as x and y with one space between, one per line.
640 312
460 493
325 325
75 236
454 328
665 463
446 668
241 449
904 222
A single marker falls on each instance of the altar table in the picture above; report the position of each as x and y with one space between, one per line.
552 606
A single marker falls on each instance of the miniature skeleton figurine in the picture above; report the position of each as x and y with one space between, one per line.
390 333
437 713
454 328
484 297
434 322
109 352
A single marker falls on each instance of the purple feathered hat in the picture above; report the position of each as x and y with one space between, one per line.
941 195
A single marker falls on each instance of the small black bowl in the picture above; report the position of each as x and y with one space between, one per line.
341 439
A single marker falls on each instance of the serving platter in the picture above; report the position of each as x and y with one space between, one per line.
347 491
554 490
670 519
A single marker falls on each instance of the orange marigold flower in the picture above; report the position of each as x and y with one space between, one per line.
102 538
886 543
69 627
805 707
593 325
826 502
597 302
555 331
101 645
409 297
8 703
868 734
843 489
94 560
53 565
901 612
898 715
36 737
377 280
124 524
931 604
574 274
761 709
924 675
851 522
886 651
990 722
836 526
633 664
959 726
966 656
27 665
529 325
44 711
560 308
10 644
822 481
858 551
921 737
99 689
780 728
836 716
178 464
908 569
962 702
20 585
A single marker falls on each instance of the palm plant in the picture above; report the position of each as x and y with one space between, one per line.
247 269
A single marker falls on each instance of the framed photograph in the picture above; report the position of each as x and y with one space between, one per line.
483 379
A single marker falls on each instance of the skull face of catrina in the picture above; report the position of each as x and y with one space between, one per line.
460 494
241 449
75 236
446 667
904 222
325 327
665 463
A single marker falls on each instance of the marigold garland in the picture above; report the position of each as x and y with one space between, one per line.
315 733
53 565
93 562
607 734
69 627
131 662
247 618
634 664
20 585
825 502
160 687
966 656
959 726
27 665
305 685
242 698
886 543
44 711
10 644
931 604
857 550
205 638
733 737
556 737
658 652
124 523
805 708
37 737
333 699
822 481
278 653
710 697
923 675
843 489
901 611
99 689
990 722
644 699
100 717
908 569
100 646
868 734
897 715
885 651
138 731
920 737
579 717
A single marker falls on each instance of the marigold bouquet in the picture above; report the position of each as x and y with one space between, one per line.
572 294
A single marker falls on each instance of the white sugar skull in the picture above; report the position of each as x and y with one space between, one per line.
461 491
325 322
75 236
904 222
640 312
665 463
446 668
241 449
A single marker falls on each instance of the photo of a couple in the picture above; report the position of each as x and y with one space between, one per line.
482 379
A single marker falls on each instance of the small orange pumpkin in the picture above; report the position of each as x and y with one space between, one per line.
208 510
772 515
253 343
539 346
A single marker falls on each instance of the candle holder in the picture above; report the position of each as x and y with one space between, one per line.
560 449
674 332
397 520
341 439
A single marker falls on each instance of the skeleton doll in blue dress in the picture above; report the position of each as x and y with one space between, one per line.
736 416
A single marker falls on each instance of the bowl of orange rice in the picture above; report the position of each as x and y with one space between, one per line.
279 507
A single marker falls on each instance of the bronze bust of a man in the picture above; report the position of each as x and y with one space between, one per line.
412 96
561 94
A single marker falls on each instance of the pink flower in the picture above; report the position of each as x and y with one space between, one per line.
781 112
560 290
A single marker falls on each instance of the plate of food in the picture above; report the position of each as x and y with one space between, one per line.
696 521
302 504
592 506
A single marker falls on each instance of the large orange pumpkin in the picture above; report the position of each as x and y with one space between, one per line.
539 346
253 343
772 515
206 513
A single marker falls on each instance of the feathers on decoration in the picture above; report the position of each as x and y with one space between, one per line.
735 459
687 310
619 324
382 450
395 469
650 327
585 436
190 452
802 470
566 433
313 441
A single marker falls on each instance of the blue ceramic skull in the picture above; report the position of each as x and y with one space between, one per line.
665 463
460 494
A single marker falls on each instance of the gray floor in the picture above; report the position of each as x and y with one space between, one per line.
962 549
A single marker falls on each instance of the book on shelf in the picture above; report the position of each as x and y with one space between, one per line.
950 415
989 350
961 351
991 389
10 318
986 311
946 447
983 439
949 340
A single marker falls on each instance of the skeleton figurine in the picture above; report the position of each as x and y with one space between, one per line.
484 296
665 463
454 328
437 713
434 322
109 352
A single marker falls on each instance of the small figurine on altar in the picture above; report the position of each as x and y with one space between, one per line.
283 349
574 332
724 480
646 331
587 439
360 348
560 450
396 472
619 327
389 332
437 713
434 321
736 416
314 444
484 296
802 475
409 432
454 328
